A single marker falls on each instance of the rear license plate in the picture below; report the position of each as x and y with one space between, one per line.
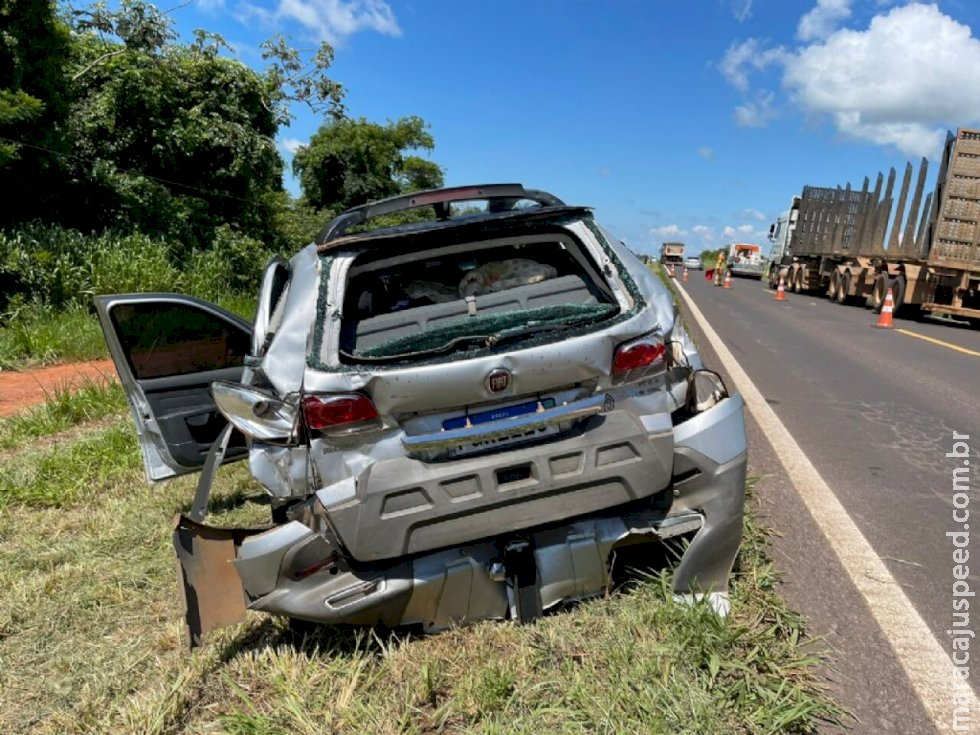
500 414
497 414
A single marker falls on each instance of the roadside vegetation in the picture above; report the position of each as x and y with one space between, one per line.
661 273
90 635
145 162
69 406
709 258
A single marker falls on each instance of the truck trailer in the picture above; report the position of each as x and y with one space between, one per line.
672 253
854 245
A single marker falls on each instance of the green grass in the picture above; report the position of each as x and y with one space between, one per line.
90 638
65 474
38 335
241 304
660 272
65 407
42 336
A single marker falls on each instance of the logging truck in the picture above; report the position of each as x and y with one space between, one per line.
855 245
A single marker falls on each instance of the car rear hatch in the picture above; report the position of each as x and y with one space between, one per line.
461 387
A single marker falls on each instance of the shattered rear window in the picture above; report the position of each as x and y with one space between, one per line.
470 296
492 329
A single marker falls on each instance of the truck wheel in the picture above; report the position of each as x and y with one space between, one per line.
844 289
834 286
898 294
877 298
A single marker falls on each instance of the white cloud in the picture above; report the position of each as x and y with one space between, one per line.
733 63
326 20
705 237
756 113
706 153
742 58
823 19
668 231
605 171
211 7
753 214
290 145
900 82
742 10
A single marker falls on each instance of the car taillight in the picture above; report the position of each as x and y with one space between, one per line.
340 414
635 360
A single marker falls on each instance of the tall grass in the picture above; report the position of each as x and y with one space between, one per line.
58 267
49 274
64 408
37 334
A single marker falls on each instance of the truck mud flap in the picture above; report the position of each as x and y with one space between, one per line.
210 589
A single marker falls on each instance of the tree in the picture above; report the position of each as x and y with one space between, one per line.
173 139
350 162
33 55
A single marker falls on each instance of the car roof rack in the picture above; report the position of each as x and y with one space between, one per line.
500 198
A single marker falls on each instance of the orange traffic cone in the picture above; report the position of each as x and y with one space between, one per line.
885 317
781 290
728 279
684 277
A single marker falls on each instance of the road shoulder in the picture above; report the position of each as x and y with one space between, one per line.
863 673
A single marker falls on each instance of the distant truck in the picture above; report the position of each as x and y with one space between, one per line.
856 245
745 260
672 253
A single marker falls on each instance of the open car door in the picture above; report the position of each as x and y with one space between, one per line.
168 349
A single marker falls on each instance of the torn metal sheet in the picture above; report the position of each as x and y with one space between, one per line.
210 589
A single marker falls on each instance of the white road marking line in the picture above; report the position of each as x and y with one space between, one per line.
927 665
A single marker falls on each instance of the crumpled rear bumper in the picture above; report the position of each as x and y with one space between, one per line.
292 570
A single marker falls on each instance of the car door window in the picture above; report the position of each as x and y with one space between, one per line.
173 339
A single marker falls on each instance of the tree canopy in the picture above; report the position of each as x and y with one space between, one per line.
109 121
350 162
34 49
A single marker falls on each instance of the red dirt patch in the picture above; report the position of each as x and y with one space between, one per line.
20 390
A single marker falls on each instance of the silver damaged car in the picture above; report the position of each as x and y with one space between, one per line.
460 418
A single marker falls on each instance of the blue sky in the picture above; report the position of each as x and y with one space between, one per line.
693 121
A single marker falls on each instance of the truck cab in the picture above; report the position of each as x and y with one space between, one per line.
780 235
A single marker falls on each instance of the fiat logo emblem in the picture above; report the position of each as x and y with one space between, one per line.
497 380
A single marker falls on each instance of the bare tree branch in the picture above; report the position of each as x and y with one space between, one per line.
96 62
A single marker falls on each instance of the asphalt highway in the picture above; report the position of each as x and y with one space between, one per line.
875 412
